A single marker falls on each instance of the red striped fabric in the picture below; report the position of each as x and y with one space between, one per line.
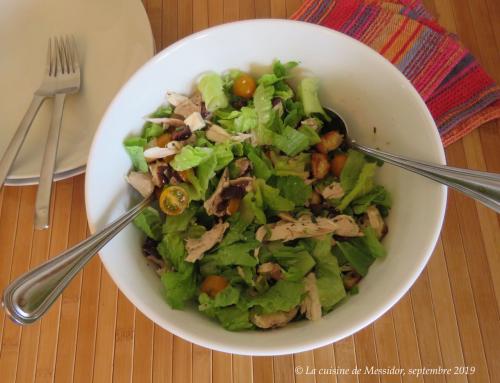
459 93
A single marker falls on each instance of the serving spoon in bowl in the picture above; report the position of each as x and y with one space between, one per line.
28 297
482 186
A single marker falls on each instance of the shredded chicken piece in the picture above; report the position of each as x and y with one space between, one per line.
186 108
166 121
156 152
195 121
334 190
175 98
141 182
243 165
211 204
217 134
278 319
305 227
312 123
311 305
156 169
196 247
375 220
287 217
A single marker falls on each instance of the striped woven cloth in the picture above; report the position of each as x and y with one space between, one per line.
459 93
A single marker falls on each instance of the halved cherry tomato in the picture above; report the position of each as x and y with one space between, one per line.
244 86
173 200
186 174
233 206
163 140
337 164
213 284
319 165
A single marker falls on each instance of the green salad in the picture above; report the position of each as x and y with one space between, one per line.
261 215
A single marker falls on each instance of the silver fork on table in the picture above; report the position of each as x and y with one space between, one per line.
67 81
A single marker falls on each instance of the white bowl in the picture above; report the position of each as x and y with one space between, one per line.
358 83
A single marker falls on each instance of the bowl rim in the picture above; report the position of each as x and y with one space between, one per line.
391 298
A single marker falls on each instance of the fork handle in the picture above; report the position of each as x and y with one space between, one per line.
42 205
17 140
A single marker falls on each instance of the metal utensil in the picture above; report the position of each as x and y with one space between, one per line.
27 298
482 186
67 75
48 88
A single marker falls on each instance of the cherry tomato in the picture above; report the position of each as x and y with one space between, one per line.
233 206
173 200
337 164
213 284
163 140
244 86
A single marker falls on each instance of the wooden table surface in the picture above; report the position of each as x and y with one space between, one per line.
450 318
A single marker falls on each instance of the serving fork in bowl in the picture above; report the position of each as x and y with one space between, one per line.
61 77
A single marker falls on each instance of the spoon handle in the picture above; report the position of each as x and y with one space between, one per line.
27 298
482 186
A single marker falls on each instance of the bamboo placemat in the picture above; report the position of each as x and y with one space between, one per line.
449 319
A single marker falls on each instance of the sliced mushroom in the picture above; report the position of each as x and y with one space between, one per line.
271 269
156 152
374 219
186 108
311 305
166 121
305 227
195 121
334 190
141 182
196 247
287 217
278 319
175 98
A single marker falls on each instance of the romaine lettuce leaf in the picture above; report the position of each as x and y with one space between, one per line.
378 196
294 188
291 141
328 278
234 254
227 297
271 197
149 222
180 287
234 318
364 185
262 99
162 111
308 94
247 120
295 113
283 296
134 146
291 166
296 261
223 154
310 133
212 91
151 130
357 256
179 223
190 157
352 169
